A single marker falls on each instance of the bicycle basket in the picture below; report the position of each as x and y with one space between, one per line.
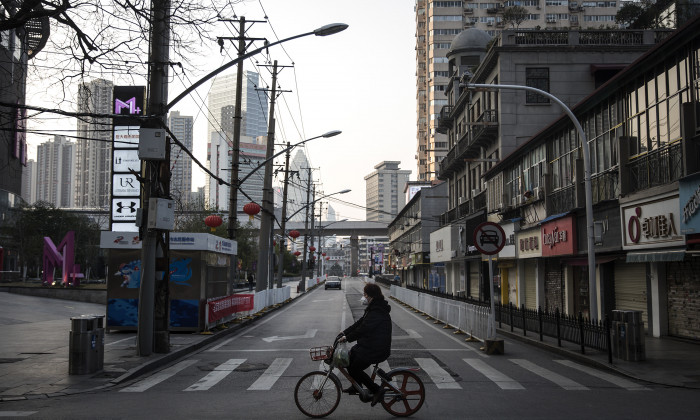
320 353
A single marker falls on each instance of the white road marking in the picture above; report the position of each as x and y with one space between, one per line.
159 377
616 380
500 379
547 374
440 377
215 376
119 341
411 334
16 413
271 375
309 334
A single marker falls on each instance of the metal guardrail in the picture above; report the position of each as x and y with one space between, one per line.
466 317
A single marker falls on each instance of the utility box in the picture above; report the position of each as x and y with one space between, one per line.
161 214
628 335
152 144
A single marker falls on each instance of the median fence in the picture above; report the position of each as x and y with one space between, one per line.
241 305
465 317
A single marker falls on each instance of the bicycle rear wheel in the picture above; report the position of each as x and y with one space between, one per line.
314 401
412 394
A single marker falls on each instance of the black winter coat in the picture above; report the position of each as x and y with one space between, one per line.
372 332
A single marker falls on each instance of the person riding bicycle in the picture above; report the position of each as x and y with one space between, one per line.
373 335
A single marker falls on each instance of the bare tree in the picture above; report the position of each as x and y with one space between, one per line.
109 38
514 16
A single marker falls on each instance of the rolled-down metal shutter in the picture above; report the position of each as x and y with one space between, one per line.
531 284
474 279
631 288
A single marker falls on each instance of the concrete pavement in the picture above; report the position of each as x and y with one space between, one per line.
34 352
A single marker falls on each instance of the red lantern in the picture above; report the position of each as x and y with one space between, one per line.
312 248
297 253
323 253
213 221
251 209
313 257
294 234
328 258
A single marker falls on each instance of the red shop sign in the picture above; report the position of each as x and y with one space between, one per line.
558 237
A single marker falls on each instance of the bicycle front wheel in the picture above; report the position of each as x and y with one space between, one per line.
412 394
315 396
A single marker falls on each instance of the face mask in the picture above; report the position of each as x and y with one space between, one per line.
363 300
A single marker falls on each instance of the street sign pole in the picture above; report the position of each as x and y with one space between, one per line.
492 316
489 239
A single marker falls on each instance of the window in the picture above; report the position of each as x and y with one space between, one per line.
447 18
537 78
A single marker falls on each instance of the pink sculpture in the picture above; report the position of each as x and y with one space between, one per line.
62 256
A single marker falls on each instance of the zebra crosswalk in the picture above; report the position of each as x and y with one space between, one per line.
432 373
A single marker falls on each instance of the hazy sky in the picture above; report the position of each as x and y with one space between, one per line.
360 81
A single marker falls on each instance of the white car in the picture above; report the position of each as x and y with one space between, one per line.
333 282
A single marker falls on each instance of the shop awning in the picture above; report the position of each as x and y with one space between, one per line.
584 260
553 217
656 256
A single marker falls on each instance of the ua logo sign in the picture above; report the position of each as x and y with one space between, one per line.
131 207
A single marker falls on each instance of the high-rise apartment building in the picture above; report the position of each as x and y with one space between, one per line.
298 185
385 191
54 167
222 100
93 148
181 162
438 22
29 182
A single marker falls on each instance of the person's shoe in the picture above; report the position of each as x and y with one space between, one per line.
350 390
378 396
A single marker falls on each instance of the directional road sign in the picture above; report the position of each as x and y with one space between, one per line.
489 238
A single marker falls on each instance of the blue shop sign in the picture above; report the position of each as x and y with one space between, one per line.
689 200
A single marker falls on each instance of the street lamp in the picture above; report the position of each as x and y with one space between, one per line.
302 286
264 273
586 181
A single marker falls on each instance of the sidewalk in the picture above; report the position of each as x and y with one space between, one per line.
34 355
34 358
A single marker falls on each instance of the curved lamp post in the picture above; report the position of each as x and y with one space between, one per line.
586 181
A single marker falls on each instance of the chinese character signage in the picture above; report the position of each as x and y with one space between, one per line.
558 237
651 223
689 197
527 243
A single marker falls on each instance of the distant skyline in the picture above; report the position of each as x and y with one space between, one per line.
360 81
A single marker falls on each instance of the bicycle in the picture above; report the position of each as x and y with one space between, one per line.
317 394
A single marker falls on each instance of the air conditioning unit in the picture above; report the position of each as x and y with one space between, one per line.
538 192
475 192
461 200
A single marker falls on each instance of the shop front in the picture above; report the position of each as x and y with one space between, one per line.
564 289
442 250
656 251
524 291
507 267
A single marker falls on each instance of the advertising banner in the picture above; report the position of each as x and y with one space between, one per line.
229 305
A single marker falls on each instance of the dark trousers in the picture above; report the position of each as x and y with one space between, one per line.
357 371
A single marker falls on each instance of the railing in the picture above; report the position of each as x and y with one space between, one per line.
587 37
574 329
605 186
477 202
471 316
562 200
658 167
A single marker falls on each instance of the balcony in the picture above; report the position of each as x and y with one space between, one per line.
481 133
658 167
562 200
492 10
477 203
445 119
605 186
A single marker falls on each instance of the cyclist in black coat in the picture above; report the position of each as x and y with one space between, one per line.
373 335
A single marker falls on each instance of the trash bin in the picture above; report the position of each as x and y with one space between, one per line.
84 345
97 344
628 335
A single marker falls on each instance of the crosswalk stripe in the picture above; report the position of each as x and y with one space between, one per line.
158 377
500 379
616 380
215 376
271 375
16 413
439 376
547 374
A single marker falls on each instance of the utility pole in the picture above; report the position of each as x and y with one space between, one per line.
262 279
311 232
153 333
305 264
320 245
236 141
283 227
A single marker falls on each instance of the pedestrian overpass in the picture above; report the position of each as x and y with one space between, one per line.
353 229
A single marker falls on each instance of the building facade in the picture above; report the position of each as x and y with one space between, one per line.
641 128
93 147
180 162
29 182
437 24
384 191
222 100
54 167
